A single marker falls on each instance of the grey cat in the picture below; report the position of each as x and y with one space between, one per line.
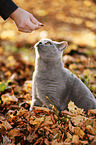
51 79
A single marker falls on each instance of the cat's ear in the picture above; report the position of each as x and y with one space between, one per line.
62 45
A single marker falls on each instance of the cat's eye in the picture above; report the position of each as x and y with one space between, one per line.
48 43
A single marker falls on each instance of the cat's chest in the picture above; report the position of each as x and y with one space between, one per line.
50 83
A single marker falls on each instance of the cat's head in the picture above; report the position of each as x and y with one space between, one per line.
49 50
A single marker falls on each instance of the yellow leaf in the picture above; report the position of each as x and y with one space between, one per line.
74 109
79 132
27 86
37 121
75 139
91 130
77 119
8 97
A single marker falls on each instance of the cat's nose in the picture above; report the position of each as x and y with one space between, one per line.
40 42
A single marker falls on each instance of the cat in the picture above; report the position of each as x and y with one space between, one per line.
59 84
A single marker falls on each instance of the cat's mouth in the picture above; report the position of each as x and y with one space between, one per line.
40 47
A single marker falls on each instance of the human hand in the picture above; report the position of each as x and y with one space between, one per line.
25 21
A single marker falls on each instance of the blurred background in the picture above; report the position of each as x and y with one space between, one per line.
70 20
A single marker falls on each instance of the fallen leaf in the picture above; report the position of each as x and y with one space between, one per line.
13 132
8 97
91 130
6 125
83 142
92 111
90 137
67 141
6 140
77 119
74 109
31 137
42 109
71 128
37 121
78 131
75 139
46 141
47 121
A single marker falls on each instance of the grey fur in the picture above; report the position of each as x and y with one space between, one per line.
51 79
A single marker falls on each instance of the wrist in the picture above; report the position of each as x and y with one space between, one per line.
14 14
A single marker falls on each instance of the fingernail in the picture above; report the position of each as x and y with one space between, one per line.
42 25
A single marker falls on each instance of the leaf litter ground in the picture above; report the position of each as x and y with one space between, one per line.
42 125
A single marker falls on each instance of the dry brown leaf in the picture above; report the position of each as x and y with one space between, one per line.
29 128
71 128
2 129
7 97
78 119
55 130
91 130
75 139
46 128
37 121
92 111
55 142
21 112
6 125
6 140
68 113
2 118
30 137
47 121
13 132
83 142
39 140
42 109
79 132
46 141
90 137
67 141
69 135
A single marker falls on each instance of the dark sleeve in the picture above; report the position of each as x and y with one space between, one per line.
6 8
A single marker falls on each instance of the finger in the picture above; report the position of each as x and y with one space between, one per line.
35 21
25 29
32 26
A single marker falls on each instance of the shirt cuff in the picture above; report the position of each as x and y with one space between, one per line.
7 9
